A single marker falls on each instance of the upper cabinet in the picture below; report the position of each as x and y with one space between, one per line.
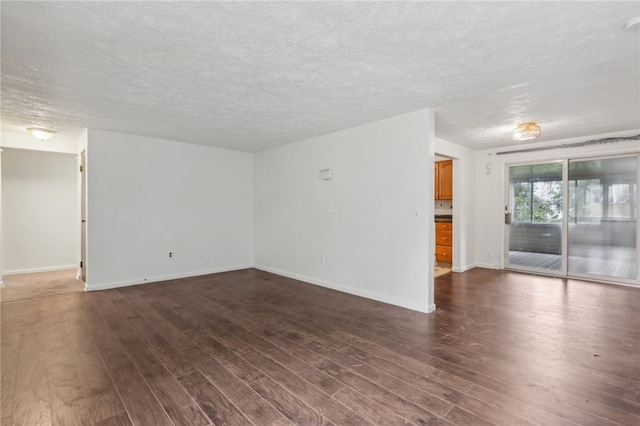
443 175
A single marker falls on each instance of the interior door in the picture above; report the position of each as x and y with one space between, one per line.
535 217
83 217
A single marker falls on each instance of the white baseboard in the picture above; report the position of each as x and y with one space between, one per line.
34 270
321 283
486 265
125 283
349 290
463 268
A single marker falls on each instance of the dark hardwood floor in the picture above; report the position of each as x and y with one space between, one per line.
249 347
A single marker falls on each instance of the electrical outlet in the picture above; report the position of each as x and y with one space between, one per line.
170 255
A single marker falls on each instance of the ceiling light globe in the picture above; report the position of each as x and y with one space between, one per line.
42 134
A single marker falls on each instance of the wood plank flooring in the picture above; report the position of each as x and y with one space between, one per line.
252 348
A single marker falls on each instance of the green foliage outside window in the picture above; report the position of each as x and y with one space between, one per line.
538 202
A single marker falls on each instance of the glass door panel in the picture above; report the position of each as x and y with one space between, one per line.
534 216
602 212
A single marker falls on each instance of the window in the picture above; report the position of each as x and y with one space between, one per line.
594 200
538 202
586 201
620 204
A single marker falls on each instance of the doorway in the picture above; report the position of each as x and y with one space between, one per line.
574 218
40 219
443 215
83 216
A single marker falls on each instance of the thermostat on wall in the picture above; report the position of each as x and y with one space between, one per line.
326 174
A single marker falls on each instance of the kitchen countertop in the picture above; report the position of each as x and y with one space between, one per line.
443 218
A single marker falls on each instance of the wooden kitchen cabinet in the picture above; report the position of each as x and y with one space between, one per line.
443 238
444 242
443 177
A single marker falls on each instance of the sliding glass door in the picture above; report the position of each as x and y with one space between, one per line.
574 217
603 217
534 216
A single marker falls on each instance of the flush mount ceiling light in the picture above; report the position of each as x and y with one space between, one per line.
40 133
526 131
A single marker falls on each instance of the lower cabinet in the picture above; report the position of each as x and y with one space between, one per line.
444 241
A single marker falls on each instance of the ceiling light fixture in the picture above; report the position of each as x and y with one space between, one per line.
40 133
526 131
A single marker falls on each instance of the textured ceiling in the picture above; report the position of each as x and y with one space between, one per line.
249 76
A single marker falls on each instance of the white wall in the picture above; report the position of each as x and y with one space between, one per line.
491 188
148 197
40 215
464 203
82 141
1 231
369 231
